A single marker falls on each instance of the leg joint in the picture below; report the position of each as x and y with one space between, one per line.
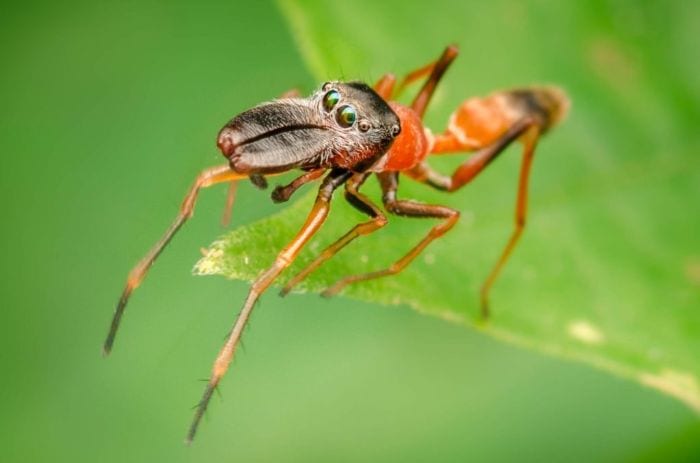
380 220
392 206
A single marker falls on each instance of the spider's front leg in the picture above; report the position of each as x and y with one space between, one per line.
315 219
207 178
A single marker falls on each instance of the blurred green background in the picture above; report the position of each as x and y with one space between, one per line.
109 112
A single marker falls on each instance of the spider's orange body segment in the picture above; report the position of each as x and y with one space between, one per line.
479 122
411 146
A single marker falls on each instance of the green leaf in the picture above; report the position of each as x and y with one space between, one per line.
608 269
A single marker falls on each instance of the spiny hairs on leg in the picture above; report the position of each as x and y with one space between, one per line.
135 278
226 355
201 410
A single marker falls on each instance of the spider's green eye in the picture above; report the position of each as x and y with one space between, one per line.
331 99
346 116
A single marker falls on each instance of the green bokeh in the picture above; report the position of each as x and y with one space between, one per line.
109 111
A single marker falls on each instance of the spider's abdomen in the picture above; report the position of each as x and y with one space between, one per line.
478 122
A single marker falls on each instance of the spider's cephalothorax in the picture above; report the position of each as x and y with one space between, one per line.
343 125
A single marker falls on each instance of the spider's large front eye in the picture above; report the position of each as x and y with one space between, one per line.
331 99
346 116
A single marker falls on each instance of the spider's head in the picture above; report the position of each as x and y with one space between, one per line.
341 125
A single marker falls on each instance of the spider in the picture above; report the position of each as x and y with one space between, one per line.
345 132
